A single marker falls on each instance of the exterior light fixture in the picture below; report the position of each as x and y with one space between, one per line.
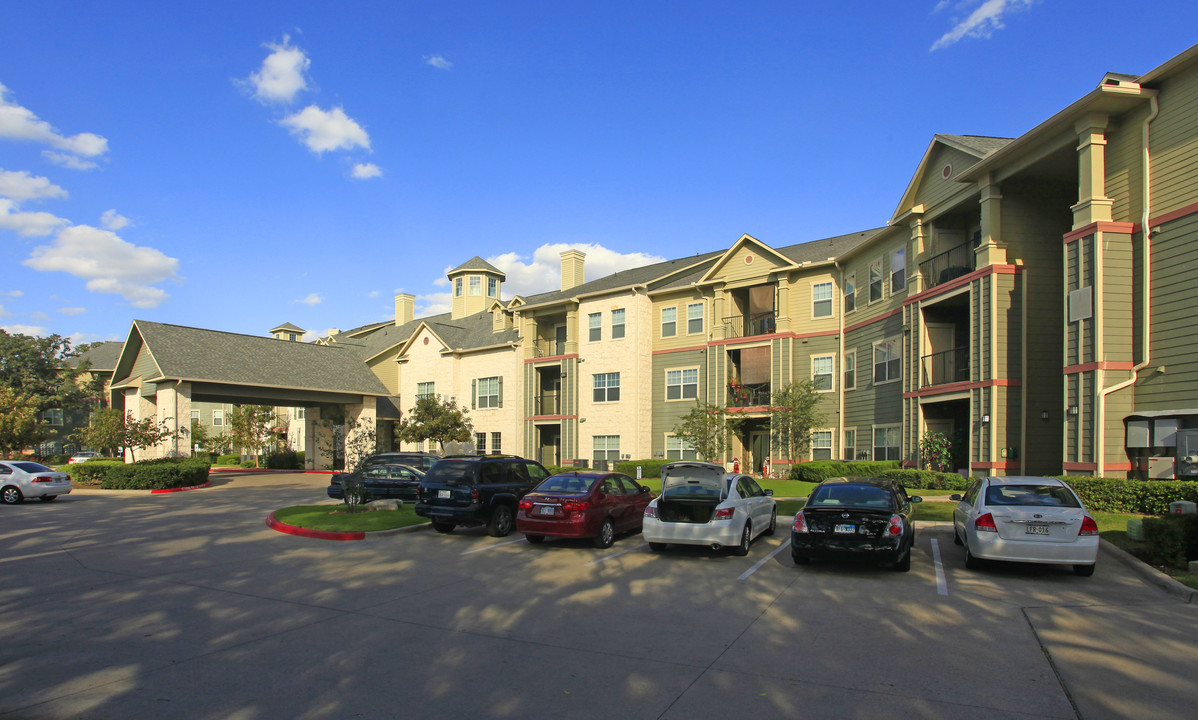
1043 414
1072 409
985 418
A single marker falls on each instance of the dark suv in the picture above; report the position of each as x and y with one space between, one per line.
477 490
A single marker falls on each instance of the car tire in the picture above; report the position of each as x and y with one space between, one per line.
47 498
657 547
1083 570
502 522
535 539
904 565
800 559
606 536
971 562
773 522
746 537
443 527
957 537
11 495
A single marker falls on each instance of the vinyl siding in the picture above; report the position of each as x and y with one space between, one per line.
872 404
1174 144
667 414
1174 307
1124 166
933 188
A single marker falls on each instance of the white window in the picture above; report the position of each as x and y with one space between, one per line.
898 270
682 384
607 387
476 285
669 322
850 292
850 370
595 323
887 360
426 390
617 323
496 442
488 392
480 443
821 445
887 442
694 318
821 300
821 372
606 448
492 287
679 449
291 337
218 418
299 414
195 415
850 443
457 287
875 281
53 416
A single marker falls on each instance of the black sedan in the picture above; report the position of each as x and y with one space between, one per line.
856 517
380 482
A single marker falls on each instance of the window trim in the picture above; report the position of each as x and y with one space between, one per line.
475 286
459 287
673 323
873 438
432 386
606 449
478 395
849 293
831 299
897 339
218 413
881 282
623 324
844 443
901 251
844 369
606 388
831 374
497 442
682 385
702 318
595 327
682 449
492 287
831 447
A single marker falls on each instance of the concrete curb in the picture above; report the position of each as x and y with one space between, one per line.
182 489
1150 574
282 527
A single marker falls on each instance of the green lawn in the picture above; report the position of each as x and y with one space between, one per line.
333 518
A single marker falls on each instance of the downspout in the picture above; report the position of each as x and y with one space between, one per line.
1145 294
840 368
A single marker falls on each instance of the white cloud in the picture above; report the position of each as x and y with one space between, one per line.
372 294
21 186
282 75
323 130
20 123
13 293
108 263
112 220
433 304
365 171
438 62
29 224
544 272
33 330
72 311
3 312
80 337
443 281
68 161
981 22
312 299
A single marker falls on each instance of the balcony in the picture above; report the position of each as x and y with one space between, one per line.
948 265
549 348
749 325
748 394
547 405
948 366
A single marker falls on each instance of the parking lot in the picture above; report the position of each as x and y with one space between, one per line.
186 605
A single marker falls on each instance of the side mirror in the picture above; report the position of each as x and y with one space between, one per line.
769 492
915 499
955 497
645 488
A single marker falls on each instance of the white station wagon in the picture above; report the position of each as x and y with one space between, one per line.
700 504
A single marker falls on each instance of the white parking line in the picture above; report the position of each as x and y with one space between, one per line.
506 542
764 560
941 584
616 555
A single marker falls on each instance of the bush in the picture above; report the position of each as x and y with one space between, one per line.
92 470
56 460
820 470
649 468
928 480
1171 540
286 460
229 460
248 464
1131 496
155 474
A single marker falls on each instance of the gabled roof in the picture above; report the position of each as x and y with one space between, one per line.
288 327
976 145
199 355
744 241
101 357
477 264
632 277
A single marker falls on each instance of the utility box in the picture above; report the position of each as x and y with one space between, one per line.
1135 529
1160 468
1187 453
1182 507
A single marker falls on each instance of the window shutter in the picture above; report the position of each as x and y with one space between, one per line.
473 394
501 392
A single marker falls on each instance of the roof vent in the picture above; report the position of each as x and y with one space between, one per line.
1119 80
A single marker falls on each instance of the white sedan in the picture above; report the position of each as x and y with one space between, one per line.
1025 519
700 504
20 479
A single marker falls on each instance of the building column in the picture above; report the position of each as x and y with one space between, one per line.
174 409
318 441
782 312
1092 203
992 250
361 431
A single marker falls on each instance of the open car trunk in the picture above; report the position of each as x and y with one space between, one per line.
690 492
686 511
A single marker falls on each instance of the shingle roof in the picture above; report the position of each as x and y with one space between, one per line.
101 356
477 263
221 357
642 275
982 144
288 327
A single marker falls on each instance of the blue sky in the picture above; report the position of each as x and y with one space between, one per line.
239 165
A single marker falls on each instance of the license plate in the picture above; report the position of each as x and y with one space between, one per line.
845 528
545 510
1037 529
444 494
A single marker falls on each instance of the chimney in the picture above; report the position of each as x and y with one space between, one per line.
405 309
573 265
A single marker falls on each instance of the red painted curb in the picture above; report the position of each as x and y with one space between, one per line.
317 534
265 470
183 489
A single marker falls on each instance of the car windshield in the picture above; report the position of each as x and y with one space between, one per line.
32 467
453 472
840 495
567 484
1031 495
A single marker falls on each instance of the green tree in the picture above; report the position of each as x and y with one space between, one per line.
250 426
199 436
105 431
18 420
936 451
361 441
144 433
35 370
706 427
794 414
435 419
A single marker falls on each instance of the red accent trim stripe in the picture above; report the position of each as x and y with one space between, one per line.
543 418
1004 465
873 320
1080 466
1173 215
959 386
1087 367
964 280
753 338
317 534
749 409
205 484
1125 466
551 358
690 349
1121 228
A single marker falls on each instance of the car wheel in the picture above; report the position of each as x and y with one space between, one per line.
47 498
746 537
1083 570
800 559
773 522
657 547
957 537
11 495
607 534
535 539
971 562
442 527
501 521
904 565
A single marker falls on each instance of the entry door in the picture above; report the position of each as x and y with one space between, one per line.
759 448
939 368
559 345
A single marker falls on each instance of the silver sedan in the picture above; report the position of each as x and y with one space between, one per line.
1025 519
20 479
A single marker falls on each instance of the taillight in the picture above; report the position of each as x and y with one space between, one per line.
724 514
526 504
1089 527
800 524
985 523
575 505
650 511
474 495
43 478
896 525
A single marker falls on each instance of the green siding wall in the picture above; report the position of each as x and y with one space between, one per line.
1174 144
667 414
1174 307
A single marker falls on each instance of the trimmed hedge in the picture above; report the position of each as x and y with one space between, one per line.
287 460
820 470
1150 497
1171 540
92 470
649 468
229 460
156 474
928 480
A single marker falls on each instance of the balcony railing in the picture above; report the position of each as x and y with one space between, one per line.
748 394
948 265
948 366
749 325
549 348
547 405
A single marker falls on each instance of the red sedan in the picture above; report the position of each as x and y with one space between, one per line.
583 505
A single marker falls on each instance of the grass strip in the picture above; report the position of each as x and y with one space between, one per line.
333 518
